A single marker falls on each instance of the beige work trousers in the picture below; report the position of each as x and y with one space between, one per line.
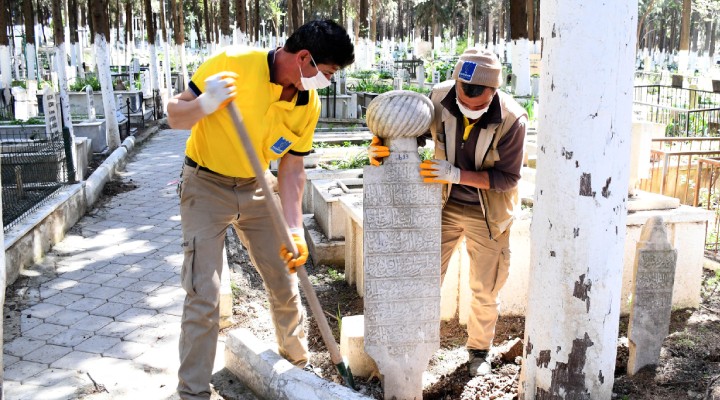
209 203
489 267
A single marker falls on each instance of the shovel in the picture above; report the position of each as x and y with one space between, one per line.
286 237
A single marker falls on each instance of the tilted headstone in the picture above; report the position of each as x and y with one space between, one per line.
652 287
51 105
90 103
401 244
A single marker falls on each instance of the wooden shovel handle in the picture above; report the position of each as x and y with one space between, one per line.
285 236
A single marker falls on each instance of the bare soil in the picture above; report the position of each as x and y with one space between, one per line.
689 365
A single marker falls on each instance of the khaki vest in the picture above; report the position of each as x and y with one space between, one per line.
498 206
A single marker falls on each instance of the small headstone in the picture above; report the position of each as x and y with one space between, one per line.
420 74
51 105
652 287
435 77
90 103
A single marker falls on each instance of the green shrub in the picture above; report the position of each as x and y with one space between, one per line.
80 84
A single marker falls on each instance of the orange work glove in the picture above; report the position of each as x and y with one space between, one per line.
287 255
439 171
220 90
376 151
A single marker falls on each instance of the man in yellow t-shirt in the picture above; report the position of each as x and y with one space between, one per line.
276 94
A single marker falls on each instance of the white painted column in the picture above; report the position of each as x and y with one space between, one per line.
578 227
31 61
102 59
61 69
154 78
183 66
521 66
166 65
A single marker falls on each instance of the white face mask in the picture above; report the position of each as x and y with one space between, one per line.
471 114
319 81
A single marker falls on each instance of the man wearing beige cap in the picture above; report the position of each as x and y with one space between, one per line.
478 132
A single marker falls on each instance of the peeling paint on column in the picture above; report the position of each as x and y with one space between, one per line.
553 31
528 347
568 379
577 164
576 232
606 188
543 359
567 154
557 349
581 291
601 378
586 185
552 253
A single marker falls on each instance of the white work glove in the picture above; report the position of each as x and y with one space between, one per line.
219 91
439 171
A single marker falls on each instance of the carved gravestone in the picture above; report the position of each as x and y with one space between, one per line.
652 285
401 244
51 105
90 103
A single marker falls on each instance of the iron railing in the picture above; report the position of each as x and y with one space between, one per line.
707 196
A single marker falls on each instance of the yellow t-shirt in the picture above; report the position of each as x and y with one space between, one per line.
275 127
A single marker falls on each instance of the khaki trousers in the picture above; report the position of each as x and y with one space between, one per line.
489 267
209 203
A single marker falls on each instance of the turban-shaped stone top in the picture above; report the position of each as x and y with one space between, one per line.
399 113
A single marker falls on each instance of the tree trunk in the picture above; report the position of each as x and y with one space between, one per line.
206 16
531 20
257 20
341 12
521 47
179 33
165 40
102 60
712 40
683 56
30 53
363 19
75 50
5 65
225 22
578 231
373 20
297 15
129 40
61 67
151 34
198 25
241 19
400 34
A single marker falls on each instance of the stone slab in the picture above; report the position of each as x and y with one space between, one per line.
272 377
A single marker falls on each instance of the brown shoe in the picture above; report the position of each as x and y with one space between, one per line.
478 363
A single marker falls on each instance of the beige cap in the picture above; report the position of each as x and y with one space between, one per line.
479 66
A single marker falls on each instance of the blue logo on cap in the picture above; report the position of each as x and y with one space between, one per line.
280 145
467 70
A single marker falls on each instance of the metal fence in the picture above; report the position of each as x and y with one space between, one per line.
708 197
685 112
34 166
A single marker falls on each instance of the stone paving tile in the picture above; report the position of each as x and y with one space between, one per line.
128 297
117 329
47 354
120 282
86 304
76 360
91 323
127 350
173 281
45 331
22 346
28 322
46 292
63 299
169 268
153 335
110 309
70 338
42 310
66 317
97 265
154 302
97 344
136 315
104 292
81 288
158 276
77 274
114 268
16 391
56 376
60 284
144 286
97 277
167 321
9 360
22 370
175 309
134 272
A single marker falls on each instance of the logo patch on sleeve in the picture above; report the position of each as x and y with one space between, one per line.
280 145
467 70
